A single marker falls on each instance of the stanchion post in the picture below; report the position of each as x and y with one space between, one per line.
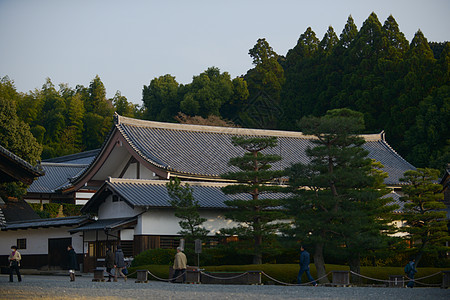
341 277
396 281
98 275
445 279
142 276
254 277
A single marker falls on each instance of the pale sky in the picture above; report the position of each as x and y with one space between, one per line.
128 43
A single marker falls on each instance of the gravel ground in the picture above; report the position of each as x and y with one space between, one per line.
59 287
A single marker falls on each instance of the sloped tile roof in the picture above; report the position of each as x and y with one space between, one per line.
153 193
52 222
12 164
57 176
104 224
85 158
205 150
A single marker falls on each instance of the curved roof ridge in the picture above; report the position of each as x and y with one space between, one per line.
225 130
162 181
384 142
54 164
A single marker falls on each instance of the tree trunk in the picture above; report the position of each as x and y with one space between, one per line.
355 266
319 262
257 256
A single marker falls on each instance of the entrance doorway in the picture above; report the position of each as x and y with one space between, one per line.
57 252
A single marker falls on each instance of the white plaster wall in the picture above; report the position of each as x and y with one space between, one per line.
164 222
127 234
119 209
37 239
144 173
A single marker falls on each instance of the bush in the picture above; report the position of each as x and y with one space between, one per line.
154 257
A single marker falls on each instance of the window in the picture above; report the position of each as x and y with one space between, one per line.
115 198
21 243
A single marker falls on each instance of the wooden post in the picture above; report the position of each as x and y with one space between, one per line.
341 278
142 276
445 279
98 275
396 281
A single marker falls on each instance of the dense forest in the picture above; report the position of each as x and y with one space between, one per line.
401 87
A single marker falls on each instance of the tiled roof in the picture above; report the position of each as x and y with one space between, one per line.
395 200
56 177
52 222
153 193
105 224
205 150
16 163
84 158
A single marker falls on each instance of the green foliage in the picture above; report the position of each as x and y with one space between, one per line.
424 212
154 257
186 208
15 134
51 210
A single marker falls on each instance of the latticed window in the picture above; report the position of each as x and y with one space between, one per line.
21 243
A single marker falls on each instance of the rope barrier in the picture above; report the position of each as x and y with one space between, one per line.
226 278
428 276
293 284
405 277
374 279
162 279
286 283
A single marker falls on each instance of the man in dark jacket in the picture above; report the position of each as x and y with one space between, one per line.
73 263
304 267
410 270
109 262
119 262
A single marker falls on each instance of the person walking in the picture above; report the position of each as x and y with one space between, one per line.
73 262
304 267
119 262
109 262
14 263
410 270
179 265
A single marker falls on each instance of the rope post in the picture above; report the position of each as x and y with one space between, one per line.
142 276
445 279
254 277
98 275
193 275
341 278
396 281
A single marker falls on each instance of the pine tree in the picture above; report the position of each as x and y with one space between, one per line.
424 213
337 194
186 208
257 218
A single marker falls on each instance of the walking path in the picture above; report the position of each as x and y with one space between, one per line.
59 287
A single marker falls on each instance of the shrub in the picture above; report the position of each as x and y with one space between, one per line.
154 257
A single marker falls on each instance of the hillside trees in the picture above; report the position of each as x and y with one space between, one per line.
210 93
15 135
66 120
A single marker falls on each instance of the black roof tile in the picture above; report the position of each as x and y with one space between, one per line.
206 150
